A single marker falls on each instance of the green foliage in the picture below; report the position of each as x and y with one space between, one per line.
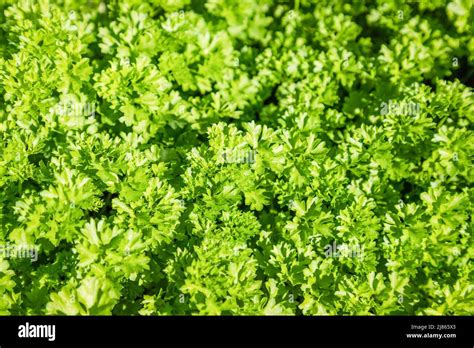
236 157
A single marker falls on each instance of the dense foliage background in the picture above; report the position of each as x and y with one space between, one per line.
228 157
